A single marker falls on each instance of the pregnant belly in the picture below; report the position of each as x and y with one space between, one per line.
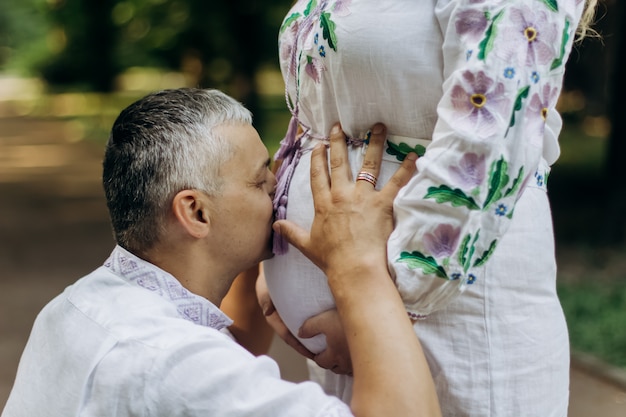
298 288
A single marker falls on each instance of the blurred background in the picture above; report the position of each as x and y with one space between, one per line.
67 67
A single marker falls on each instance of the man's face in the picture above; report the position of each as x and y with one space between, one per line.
243 212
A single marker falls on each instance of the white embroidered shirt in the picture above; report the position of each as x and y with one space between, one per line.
130 340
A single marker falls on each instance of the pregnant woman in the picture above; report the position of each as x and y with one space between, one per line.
471 86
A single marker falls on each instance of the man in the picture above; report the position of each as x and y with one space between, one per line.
189 193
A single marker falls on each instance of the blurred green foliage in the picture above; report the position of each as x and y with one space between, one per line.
24 31
596 314
84 45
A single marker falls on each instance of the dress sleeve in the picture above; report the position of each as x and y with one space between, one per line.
503 65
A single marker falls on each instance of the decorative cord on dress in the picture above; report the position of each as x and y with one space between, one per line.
290 150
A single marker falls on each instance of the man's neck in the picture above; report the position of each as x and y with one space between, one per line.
195 271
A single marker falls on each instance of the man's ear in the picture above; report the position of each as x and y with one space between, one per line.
191 210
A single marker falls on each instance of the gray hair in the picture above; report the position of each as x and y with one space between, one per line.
160 145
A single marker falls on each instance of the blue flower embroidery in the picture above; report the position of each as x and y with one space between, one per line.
535 77
316 38
509 72
501 210
468 54
322 51
471 278
455 276
539 179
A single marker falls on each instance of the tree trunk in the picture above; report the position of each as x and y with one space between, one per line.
100 44
614 187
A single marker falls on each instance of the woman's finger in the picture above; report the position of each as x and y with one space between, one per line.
283 332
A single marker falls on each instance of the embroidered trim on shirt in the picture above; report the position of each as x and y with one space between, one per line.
143 274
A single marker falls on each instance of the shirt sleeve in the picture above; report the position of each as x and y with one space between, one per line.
216 377
503 65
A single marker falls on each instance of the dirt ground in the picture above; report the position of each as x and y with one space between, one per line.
54 229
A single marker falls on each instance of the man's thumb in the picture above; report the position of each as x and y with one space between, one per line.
293 233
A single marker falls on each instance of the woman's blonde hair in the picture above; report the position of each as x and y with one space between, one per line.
584 27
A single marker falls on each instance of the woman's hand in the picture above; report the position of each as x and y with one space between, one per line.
336 356
273 318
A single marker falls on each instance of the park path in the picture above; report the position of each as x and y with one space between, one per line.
54 229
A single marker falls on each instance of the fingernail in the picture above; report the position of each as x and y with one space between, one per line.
276 227
378 128
335 128
412 156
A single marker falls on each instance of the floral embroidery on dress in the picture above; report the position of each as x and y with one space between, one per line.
537 112
528 37
500 186
479 103
442 241
530 44
470 171
314 13
401 150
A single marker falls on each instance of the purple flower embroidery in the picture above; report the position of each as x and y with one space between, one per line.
342 7
537 112
287 45
442 242
314 68
528 38
471 23
471 170
479 104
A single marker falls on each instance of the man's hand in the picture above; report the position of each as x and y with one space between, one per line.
352 220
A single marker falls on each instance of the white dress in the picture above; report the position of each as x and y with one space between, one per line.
475 83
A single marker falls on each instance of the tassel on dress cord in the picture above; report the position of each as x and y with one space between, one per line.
289 152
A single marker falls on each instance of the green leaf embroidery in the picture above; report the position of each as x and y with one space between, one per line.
309 7
472 249
510 214
456 197
486 45
516 183
498 178
427 264
521 95
402 150
467 250
328 30
552 5
289 21
559 61
486 254
463 259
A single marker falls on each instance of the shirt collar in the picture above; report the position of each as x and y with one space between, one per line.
143 274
